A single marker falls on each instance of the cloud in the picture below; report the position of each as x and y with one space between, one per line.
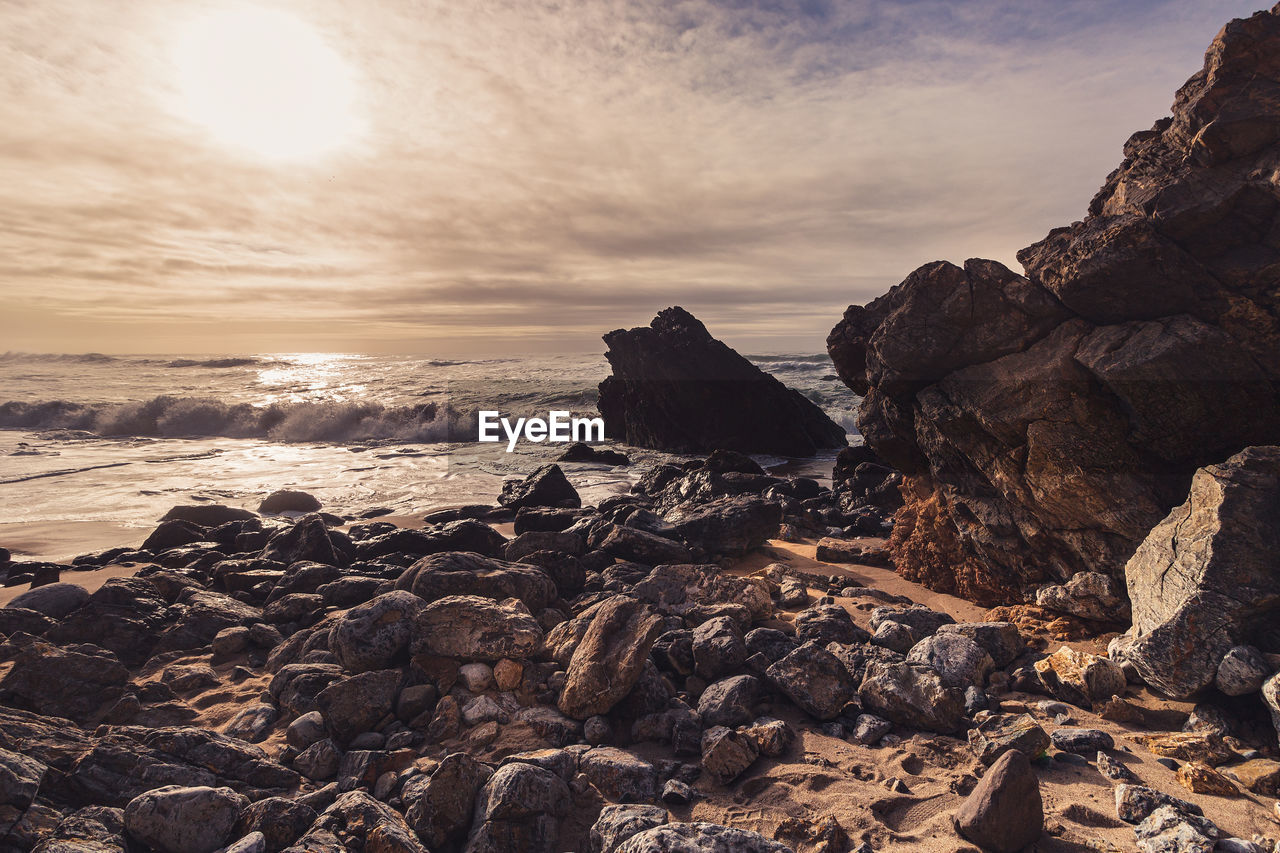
536 172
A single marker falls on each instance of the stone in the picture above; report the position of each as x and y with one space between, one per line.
54 600
253 723
718 648
610 658
20 778
911 695
727 527
547 486
1207 747
306 540
319 762
679 589
1166 830
207 515
828 623
476 677
1004 812
1000 640
1080 740
1200 778
999 733
1080 678
355 705
306 730
815 680
772 737
472 628
641 546
1115 771
519 808
1087 595
727 753
1259 775
868 729
699 838
288 500
461 573
620 776
373 635
674 387
1241 671
74 682
730 701
1202 580
184 678
676 793
441 812
483 709
174 819
617 823
1134 803
280 821
958 660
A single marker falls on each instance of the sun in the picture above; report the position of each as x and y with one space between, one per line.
262 81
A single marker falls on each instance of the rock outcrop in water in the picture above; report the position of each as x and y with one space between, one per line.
674 387
1045 423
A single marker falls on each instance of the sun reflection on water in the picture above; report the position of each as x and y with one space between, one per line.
297 377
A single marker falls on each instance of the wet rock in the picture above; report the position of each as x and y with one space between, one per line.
618 823
674 387
1004 813
474 628
727 753
441 813
461 573
1080 740
547 486
729 702
699 838
610 658
1201 581
958 660
815 680
372 635
174 819
620 776
999 733
911 695
54 600
1080 678
1088 595
288 500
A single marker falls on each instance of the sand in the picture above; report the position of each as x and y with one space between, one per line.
59 541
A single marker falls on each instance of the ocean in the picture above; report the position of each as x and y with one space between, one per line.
120 439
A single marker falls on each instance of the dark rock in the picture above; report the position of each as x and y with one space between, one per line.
296 685
629 543
856 551
1004 813
207 515
464 573
308 539
617 823
546 486
1081 741
828 623
1241 671
74 682
729 702
1000 640
911 695
999 733
544 540
355 705
281 821
124 616
718 648
620 776
519 808
288 500
54 600
610 658
729 526
815 680
472 628
580 452
958 660
674 387
174 819
681 589
441 813
374 635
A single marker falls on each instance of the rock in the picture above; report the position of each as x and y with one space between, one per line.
1080 678
729 702
372 635
356 814
319 762
728 526
74 682
1000 640
441 813
476 677
1004 813
532 541
1259 775
911 695
828 623
1053 418
580 452
306 730
1088 595
125 616
920 621
173 534
772 737
309 540
280 821
354 705
546 486
610 658
472 628
1134 803
680 589
1166 830
1202 779
618 823
462 573
958 660
20 778
999 733
699 838
174 819
54 600
718 648
1207 747
596 730
869 729
620 776
253 724
519 808
483 709
1241 671
726 753
641 546
207 515
288 500
815 680
676 388
1202 580
1080 740
1115 771
855 551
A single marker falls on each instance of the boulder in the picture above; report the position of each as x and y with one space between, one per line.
1088 595
718 648
355 705
281 821
815 680
207 515
699 838
620 776
546 486
441 811
1044 424
1205 579
641 546
958 660
680 589
730 702
175 819
74 682
472 628
1080 678
674 387
308 539
372 635
999 733
828 623
729 526
1000 640
520 807
617 823
911 695
580 452
465 573
727 753
1241 671
54 600
1004 813
610 658
20 778
288 500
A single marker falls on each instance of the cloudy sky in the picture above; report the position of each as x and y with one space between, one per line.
521 175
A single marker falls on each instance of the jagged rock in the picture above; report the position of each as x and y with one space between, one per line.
699 838
93 829
868 729
296 685
319 762
772 737
618 823
1206 747
958 660
1134 803
1088 595
1200 778
356 704
1001 640
1115 771
828 623
288 500
726 753
546 486
680 588
674 387
911 695
54 600
1004 813
718 648
1204 579
207 515
641 546
372 635
280 821
919 620
729 526
815 680
610 658
1080 678
729 702
124 616
20 778
856 551
770 642
201 616
1166 830
74 682
473 628
308 539
1081 740
999 733
458 535
357 815
253 724
441 813
1045 424
519 808
462 573
1241 671
620 776
174 819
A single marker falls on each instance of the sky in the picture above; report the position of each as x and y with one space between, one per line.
508 176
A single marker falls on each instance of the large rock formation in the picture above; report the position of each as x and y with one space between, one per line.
674 387
1045 423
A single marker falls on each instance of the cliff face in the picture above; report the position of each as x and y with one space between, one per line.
674 387
1045 423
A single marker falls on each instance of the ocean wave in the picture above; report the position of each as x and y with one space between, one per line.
58 357
230 361
807 363
192 417
819 358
